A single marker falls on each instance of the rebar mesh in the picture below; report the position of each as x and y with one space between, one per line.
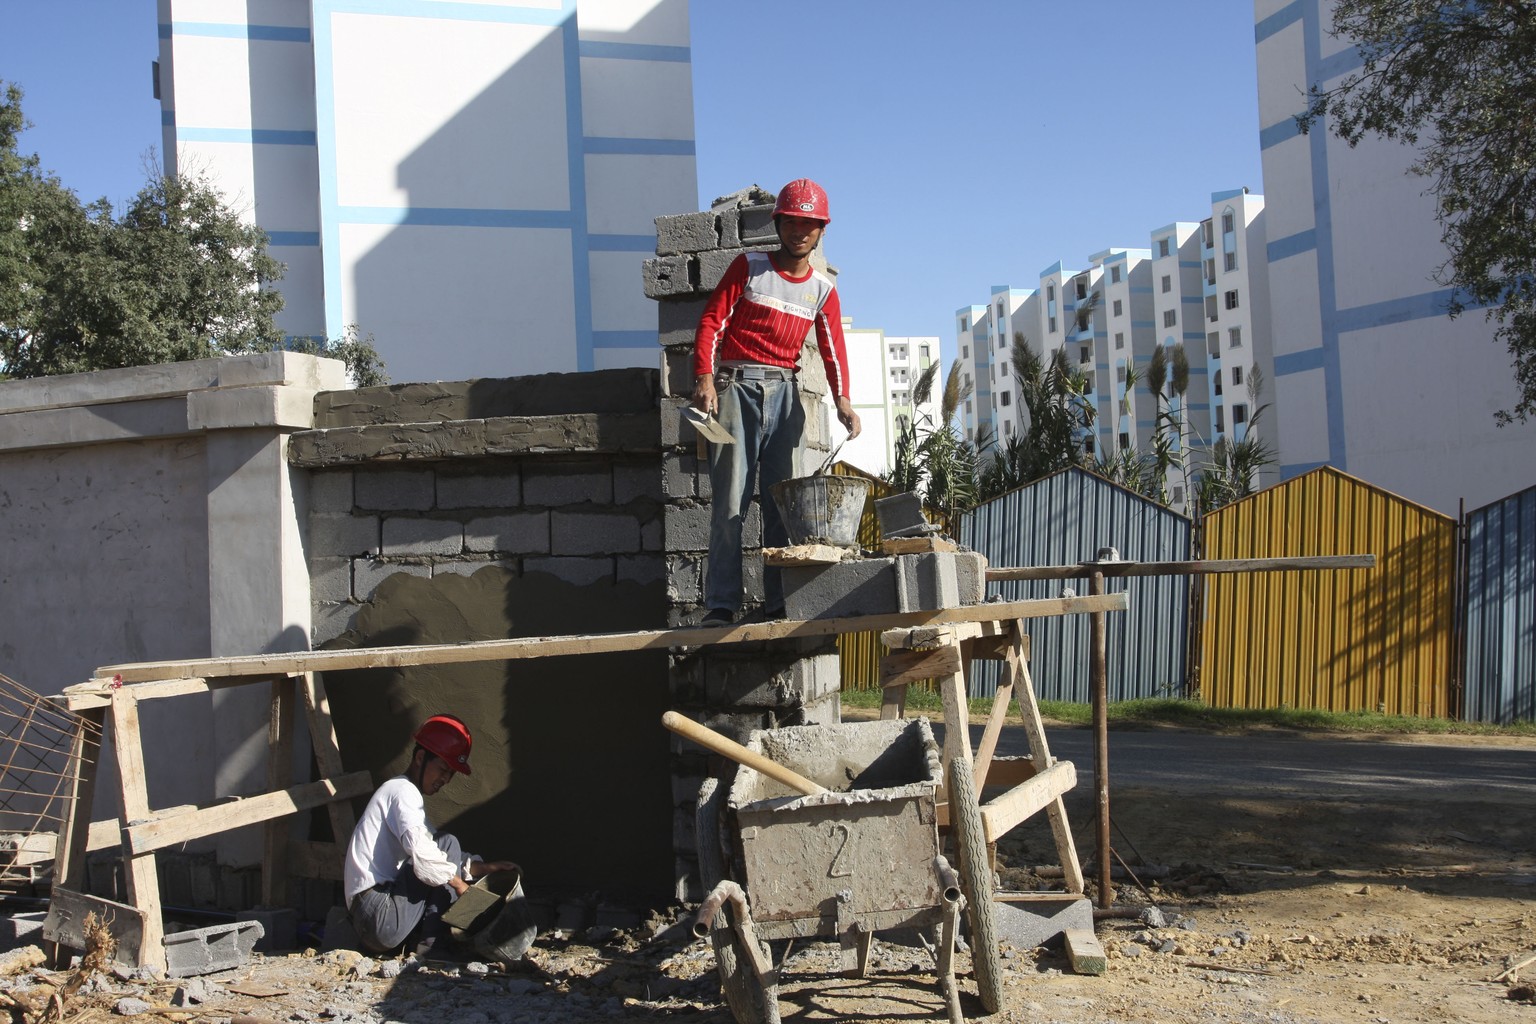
42 748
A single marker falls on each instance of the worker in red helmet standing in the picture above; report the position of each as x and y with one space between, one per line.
400 875
745 356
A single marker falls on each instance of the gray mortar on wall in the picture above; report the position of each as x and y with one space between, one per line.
734 688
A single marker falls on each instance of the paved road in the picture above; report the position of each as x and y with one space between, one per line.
1289 766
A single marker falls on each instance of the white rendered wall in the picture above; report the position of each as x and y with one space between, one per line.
1370 376
473 184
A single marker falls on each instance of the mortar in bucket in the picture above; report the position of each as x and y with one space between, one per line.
494 917
822 509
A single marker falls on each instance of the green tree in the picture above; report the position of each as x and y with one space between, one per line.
177 276
934 459
1230 469
1457 81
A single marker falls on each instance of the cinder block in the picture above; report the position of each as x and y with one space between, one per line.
330 580
926 582
415 536
395 490
685 527
685 574
594 533
327 622
747 225
642 569
220 947
677 370
713 265
369 573
567 484
279 927
521 533
971 576
663 276
583 572
633 481
816 677
677 321
468 567
826 711
345 536
650 534
330 492
480 490
23 929
865 586
687 232
1038 919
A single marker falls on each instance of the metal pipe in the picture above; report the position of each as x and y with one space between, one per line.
949 878
704 920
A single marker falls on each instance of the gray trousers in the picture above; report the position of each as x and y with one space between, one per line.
385 915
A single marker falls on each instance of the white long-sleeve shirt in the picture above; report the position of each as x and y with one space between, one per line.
393 828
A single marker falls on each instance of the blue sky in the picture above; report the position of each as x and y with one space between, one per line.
963 145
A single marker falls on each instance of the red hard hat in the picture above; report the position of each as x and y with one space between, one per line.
803 198
449 739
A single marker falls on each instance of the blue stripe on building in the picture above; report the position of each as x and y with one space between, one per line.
247 136
221 30
635 51
1291 245
295 239
638 147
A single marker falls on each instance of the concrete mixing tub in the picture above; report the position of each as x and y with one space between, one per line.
863 852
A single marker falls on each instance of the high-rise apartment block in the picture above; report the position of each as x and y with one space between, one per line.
474 184
883 371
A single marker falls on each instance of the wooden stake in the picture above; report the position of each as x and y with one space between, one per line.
138 868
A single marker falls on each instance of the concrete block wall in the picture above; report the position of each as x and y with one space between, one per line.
740 687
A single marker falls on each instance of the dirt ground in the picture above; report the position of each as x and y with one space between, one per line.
1279 911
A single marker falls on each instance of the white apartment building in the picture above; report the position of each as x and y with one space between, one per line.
1371 375
882 371
972 341
474 184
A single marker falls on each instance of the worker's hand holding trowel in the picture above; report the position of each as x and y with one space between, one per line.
701 413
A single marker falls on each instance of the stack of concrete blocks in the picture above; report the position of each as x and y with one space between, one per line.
733 688
880 586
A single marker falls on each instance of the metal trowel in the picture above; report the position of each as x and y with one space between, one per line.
706 425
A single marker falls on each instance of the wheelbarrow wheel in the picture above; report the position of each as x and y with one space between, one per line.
975 882
749 1000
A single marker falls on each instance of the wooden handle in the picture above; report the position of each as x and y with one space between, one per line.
727 747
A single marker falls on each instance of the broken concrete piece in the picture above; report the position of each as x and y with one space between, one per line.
216 948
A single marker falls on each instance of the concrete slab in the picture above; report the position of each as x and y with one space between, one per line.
219 947
1027 920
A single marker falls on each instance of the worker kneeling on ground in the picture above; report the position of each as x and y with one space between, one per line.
400 875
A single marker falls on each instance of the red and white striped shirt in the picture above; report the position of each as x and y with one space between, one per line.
758 314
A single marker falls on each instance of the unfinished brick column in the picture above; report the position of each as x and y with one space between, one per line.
734 688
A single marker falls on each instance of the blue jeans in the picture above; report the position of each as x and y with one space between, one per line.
766 419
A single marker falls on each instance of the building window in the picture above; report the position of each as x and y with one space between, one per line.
1088 445
1120 373
967 376
1167 282
922 351
1218 385
1239 415
1114 275
1221 418
1082 289
1050 293
896 398
1007 428
1004 369
1003 399
999 310
1162 247
1002 342
1053 325
1210 307
965 351
1118 307
1227 223
1231 261
1088 384
967 406
1170 318
1125 439
1085 354
1178 495
1213 344
1237 375
1207 236
1210 271
1235 337
965 323
1231 298
1119 339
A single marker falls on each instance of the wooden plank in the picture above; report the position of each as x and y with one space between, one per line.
905 667
65 923
1034 731
274 867
957 719
1010 771
315 860
98 693
893 703
322 738
1084 951
155 832
1120 570
74 842
1000 700
916 545
265 665
138 868
808 554
1024 801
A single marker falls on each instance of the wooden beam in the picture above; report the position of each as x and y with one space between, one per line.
98 692
1000 701
1010 771
155 832
1119 570
1061 830
905 667
1084 951
266 665
75 836
916 545
138 867
1002 814
274 867
322 739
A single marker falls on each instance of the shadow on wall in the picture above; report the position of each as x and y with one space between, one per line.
571 772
